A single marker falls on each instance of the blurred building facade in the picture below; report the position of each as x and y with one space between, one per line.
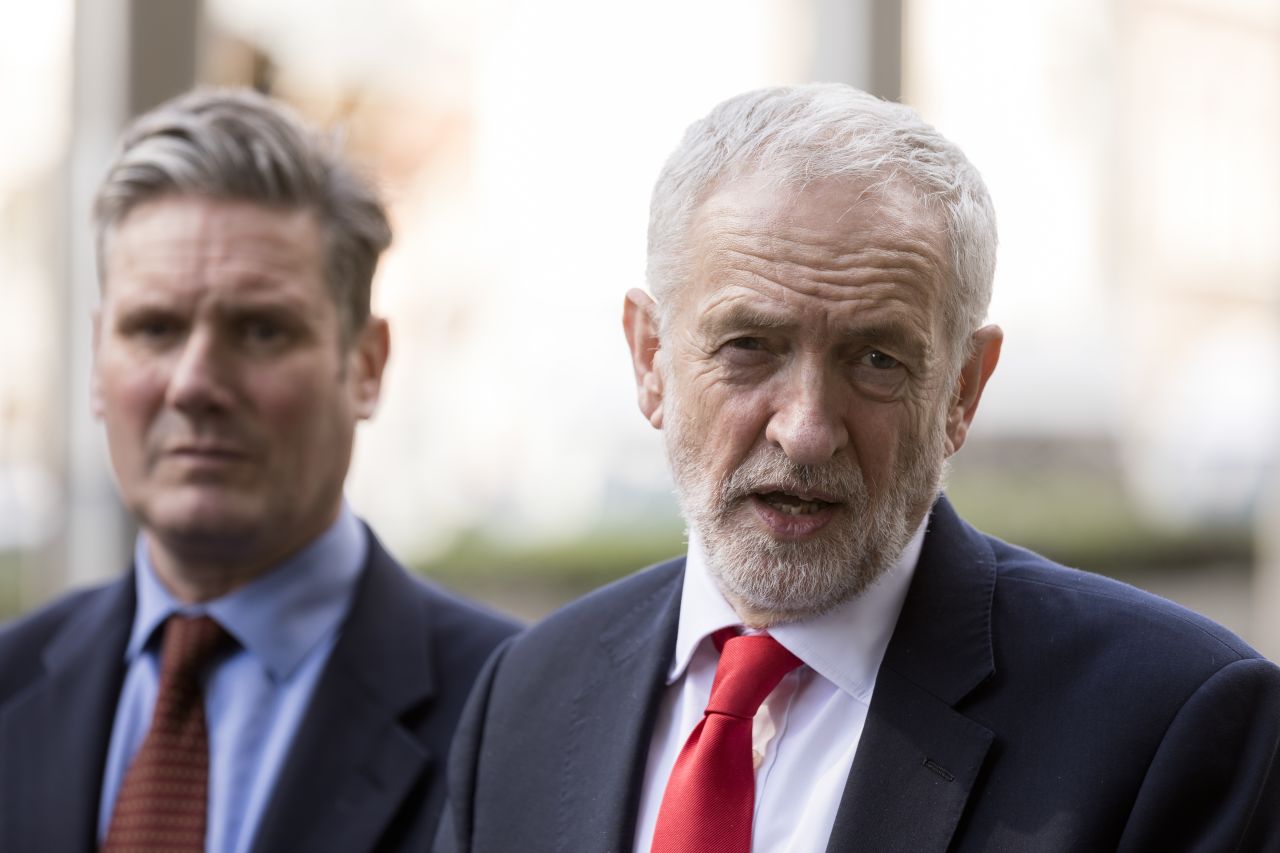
1132 147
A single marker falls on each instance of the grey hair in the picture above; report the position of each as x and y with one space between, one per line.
798 134
236 144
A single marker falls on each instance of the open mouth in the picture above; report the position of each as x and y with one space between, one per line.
793 504
794 517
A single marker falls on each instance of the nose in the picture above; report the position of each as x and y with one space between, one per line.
198 383
808 423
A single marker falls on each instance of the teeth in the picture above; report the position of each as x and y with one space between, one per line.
796 508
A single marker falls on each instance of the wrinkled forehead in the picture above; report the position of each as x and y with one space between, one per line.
183 208
181 244
832 230
870 207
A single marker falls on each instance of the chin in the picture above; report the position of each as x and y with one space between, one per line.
202 524
789 580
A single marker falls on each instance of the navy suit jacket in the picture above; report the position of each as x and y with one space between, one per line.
366 767
1020 707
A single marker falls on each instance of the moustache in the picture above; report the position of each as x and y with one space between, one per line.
836 482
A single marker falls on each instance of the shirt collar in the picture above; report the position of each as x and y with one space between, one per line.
279 617
844 645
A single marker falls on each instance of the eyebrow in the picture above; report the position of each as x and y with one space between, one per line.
893 335
155 301
743 318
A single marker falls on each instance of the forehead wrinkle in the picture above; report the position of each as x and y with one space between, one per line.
792 247
887 281
201 229
735 307
900 252
249 288
257 267
884 246
895 234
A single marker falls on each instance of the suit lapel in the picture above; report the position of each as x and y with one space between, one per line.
611 720
353 761
54 736
912 774
918 758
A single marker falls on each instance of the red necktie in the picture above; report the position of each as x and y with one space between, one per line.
710 795
162 799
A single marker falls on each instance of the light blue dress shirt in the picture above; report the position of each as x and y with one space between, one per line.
286 624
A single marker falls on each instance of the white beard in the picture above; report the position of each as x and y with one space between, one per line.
786 581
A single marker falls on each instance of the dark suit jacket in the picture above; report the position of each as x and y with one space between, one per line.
1020 707
365 770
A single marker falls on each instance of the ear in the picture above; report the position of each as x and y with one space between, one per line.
95 381
640 322
977 369
366 360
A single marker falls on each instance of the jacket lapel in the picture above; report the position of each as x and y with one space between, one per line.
918 758
353 760
54 736
611 720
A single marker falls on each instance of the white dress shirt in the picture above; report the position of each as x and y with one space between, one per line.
807 731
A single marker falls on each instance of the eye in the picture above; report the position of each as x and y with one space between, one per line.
748 352
151 328
263 332
879 375
880 361
156 328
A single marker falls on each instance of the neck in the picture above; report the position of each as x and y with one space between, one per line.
196 572
193 582
200 566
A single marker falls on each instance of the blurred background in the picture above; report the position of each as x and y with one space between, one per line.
1132 148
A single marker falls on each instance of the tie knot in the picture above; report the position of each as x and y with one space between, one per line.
750 667
190 642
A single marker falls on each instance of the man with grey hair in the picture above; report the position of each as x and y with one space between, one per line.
266 677
840 663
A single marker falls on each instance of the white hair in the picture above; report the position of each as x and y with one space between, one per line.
798 134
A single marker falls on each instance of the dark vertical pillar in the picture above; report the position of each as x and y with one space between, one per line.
859 42
128 56
886 49
164 51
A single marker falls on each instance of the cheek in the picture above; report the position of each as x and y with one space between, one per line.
881 434
301 408
918 436
291 408
730 424
130 397
742 420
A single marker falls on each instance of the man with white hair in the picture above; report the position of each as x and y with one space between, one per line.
841 663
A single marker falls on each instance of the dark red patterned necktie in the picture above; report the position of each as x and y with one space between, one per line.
710 795
162 799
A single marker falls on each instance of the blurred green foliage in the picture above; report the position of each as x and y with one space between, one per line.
530 580
597 557
1078 515
1073 507
1068 504
10 583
